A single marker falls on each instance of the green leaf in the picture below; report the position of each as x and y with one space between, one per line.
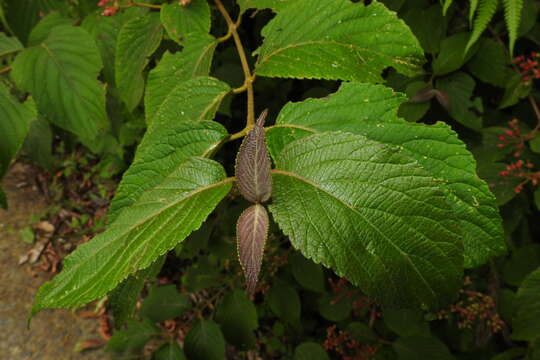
512 17
174 69
67 64
337 40
486 10
38 143
452 55
123 299
196 99
537 198
137 40
511 354
205 342
428 25
3 199
9 45
370 110
308 274
446 5
460 87
526 322
406 322
238 319
419 347
515 90
133 338
414 111
490 63
473 5
284 301
15 120
392 234
164 303
42 30
23 15
523 261
158 155
161 217
169 352
310 351
332 310
182 21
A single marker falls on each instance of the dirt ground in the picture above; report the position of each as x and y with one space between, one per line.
53 334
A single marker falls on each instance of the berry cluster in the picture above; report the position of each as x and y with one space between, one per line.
474 308
109 10
528 67
521 168
348 348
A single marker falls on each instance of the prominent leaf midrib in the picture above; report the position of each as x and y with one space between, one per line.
354 210
150 217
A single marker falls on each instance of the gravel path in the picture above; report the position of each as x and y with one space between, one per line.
53 334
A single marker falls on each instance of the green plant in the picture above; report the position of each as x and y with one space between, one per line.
358 184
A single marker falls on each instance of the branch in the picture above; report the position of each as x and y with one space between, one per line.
248 78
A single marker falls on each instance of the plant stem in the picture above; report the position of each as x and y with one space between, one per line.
536 112
5 70
248 81
141 4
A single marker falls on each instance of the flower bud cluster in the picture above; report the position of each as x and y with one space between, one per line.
346 347
109 10
528 67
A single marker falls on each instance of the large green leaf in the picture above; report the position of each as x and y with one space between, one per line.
162 217
237 316
164 303
526 322
173 69
182 21
158 154
370 110
196 99
61 73
132 339
9 45
421 347
459 87
41 31
490 63
372 215
205 342
337 39
15 119
137 40
23 15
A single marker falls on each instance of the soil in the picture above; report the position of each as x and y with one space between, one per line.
53 334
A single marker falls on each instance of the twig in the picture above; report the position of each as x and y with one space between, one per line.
536 112
248 78
5 70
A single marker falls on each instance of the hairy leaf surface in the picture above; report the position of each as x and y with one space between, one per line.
253 165
137 40
181 21
370 110
372 215
162 217
158 155
68 92
337 40
251 234
196 99
173 69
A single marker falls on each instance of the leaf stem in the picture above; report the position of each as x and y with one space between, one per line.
5 70
248 81
141 4
536 112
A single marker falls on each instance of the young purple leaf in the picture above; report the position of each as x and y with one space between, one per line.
253 164
251 234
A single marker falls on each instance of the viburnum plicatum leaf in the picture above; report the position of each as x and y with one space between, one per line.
182 21
68 93
526 321
372 215
196 99
337 39
162 216
194 60
159 153
370 110
137 40
9 45
251 234
253 165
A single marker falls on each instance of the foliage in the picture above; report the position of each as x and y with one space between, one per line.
352 208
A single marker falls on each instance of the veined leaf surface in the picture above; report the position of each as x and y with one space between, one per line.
158 155
370 110
162 217
372 215
181 21
337 39
194 60
69 94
